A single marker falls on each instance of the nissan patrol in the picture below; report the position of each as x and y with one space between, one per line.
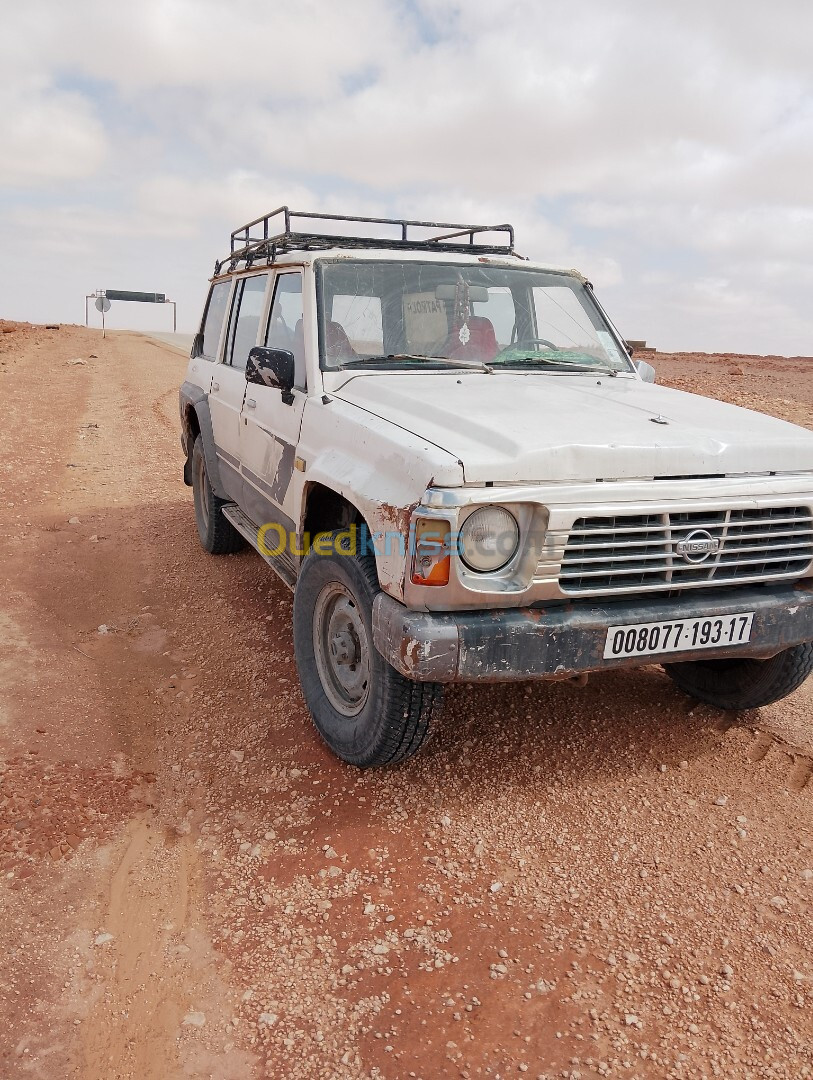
448 454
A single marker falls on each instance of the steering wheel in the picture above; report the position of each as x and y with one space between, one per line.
531 341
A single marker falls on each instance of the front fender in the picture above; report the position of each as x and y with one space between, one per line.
379 468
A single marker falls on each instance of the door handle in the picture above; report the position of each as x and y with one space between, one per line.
251 403
215 387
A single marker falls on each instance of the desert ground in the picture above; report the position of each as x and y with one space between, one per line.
569 882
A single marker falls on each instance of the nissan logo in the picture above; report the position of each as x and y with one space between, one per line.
697 546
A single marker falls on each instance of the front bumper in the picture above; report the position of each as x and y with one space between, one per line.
561 642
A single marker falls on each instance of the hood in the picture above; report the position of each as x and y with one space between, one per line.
533 428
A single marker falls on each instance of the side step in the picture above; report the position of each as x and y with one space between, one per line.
282 564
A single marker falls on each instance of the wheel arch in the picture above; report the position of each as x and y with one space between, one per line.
325 509
198 425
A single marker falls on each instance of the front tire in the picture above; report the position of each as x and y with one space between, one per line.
217 535
367 712
744 683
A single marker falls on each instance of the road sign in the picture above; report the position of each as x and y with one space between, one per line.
140 297
102 298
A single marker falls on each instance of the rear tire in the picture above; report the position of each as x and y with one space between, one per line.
217 535
744 683
366 711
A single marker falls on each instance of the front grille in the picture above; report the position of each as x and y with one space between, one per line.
640 552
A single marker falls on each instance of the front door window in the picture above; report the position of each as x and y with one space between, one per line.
245 320
285 323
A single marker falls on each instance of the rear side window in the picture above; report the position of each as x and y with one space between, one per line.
213 320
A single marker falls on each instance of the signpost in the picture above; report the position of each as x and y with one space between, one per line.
102 298
103 305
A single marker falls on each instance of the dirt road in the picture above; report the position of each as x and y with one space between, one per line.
567 883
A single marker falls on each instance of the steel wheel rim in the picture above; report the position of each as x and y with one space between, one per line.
341 649
200 491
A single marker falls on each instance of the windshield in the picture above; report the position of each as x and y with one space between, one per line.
436 315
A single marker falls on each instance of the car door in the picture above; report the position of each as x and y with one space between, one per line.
229 378
270 430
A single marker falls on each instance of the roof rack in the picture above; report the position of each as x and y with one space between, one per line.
262 240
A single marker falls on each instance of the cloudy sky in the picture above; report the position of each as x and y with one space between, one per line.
666 149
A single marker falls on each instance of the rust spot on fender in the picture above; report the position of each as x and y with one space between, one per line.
396 518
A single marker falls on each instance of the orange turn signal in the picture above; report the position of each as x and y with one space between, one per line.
430 556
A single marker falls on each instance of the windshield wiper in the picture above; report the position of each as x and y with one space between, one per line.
558 365
397 358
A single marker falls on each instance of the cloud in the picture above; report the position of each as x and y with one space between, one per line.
247 48
660 148
47 136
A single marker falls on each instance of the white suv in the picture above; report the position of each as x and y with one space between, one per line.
447 453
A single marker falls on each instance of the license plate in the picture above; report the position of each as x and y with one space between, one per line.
677 635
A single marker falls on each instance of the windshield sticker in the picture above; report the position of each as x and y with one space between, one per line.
425 318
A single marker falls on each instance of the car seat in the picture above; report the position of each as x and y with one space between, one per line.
480 344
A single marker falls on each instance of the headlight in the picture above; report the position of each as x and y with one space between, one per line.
489 539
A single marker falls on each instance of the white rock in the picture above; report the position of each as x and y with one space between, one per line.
446 821
103 629
779 902
103 939
267 1019
807 875
721 800
194 1019
381 949
369 909
496 886
238 755
330 853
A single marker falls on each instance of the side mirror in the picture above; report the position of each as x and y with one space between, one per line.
645 370
272 367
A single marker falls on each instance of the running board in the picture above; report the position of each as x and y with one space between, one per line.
281 564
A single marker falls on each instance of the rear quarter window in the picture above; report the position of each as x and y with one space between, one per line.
213 319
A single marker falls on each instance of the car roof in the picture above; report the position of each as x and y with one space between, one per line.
302 258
